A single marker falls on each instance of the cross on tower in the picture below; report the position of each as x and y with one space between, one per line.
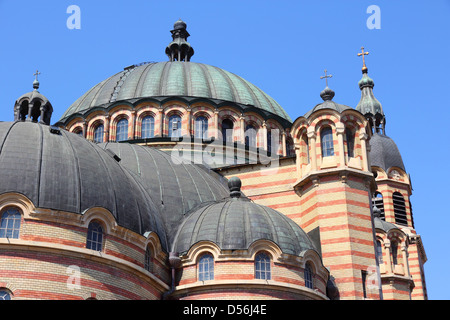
363 54
36 74
326 76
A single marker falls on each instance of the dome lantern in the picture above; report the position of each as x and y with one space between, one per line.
33 106
179 49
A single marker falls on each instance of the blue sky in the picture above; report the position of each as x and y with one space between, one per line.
280 46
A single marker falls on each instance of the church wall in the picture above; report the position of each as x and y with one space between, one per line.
235 279
419 292
338 207
50 259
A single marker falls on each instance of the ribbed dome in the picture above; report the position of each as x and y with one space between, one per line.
182 79
235 223
174 188
63 171
384 153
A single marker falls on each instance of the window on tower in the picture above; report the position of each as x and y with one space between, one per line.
206 267
262 266
399 209
326 139
94 239
10 223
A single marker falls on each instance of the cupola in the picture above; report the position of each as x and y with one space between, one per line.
369 106
33 106
179 49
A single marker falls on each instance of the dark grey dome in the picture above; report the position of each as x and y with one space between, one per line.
235 223
59 170
384 153
327 95
174 188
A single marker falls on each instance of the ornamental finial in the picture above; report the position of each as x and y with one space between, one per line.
362 53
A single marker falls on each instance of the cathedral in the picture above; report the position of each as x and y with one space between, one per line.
179 180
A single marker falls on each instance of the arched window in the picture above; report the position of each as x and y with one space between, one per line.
122 130
305 147
148 259
98 134
262 266
227 130
175 126
379 252
78 131
399 209
377 201
148 127
206 267
350 138
10 223
4 295
394 250
269 140
95 236
309 276
201 127
250 136
326 139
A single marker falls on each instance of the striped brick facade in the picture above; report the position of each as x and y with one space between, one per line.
50 260
234 275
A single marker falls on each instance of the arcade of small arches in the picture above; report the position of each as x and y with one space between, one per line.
176 119
331 139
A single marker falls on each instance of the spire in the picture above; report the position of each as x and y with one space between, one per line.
369 106
179 49
326 94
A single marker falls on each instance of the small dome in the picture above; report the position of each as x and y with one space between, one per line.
62 171
235 223
179 24
384 153
327 95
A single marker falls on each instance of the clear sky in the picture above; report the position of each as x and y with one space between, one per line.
282 47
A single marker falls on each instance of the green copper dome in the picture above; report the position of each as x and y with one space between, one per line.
176 78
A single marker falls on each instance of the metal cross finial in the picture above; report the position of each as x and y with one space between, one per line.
363 54
36 74
326 76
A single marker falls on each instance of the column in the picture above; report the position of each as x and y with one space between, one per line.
365 163
216 125
84 126
133 124
188 125
340 129
312 142
161 122
242 124
106 128
283 142
264 133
